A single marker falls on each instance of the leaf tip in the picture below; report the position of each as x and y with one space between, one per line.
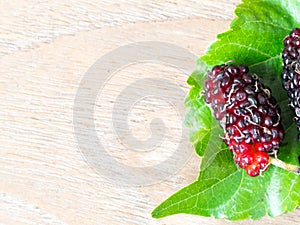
155 214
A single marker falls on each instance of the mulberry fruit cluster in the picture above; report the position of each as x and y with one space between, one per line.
248 115
291 72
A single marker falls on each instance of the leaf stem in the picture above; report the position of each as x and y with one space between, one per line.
277 162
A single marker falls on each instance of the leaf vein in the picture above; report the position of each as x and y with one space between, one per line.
268 23
243 46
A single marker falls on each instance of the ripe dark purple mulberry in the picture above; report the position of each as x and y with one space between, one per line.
248 115
291 72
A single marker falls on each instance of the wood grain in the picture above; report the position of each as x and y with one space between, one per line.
46 49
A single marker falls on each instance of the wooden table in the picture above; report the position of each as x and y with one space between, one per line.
83 141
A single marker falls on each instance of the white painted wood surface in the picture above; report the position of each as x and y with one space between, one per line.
46 49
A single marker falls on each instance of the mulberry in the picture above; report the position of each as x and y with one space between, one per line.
248 115
291 72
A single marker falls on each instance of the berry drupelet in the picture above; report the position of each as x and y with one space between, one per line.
291 72
248 115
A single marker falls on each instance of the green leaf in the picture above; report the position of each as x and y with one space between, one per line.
222 190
